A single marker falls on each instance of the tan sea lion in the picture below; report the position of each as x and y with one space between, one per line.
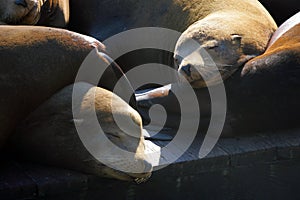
224 35
54 13
48 134
219 22
36 62
261 96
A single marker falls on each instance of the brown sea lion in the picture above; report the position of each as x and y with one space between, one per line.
54 13
36 62
223 23
263 95
268 91
40 60
223 36
48 135
106 18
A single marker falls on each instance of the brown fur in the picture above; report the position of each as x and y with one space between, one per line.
285 50
39 60
54 13
50 129
264 98
225 35
222 19
35 63
126 14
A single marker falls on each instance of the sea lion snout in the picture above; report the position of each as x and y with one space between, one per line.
186 69
198 68
15 12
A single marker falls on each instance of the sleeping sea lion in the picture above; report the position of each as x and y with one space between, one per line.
217 22
36 62
48 135
261 96
224 35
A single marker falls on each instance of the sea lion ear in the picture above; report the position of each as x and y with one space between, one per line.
236 39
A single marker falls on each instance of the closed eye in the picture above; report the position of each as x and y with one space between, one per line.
212 47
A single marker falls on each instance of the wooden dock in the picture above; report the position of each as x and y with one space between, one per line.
264 166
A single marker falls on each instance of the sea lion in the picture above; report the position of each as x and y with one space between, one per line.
54 13
261 96
268 91
226 38
227 21
38 61
106 18
48 134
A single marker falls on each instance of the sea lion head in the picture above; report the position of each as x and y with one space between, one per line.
122 125
213 48
26 12
203 51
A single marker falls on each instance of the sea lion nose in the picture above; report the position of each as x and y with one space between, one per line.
21 3
186 69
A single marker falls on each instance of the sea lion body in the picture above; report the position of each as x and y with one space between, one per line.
267 88
275 76
54 13
225 39
283 51
38 62
107 18
261 96
48 135
270 82
285 27
104 19
35 63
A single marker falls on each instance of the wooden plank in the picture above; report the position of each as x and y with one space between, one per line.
248 150
261 181
263 166
287 143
